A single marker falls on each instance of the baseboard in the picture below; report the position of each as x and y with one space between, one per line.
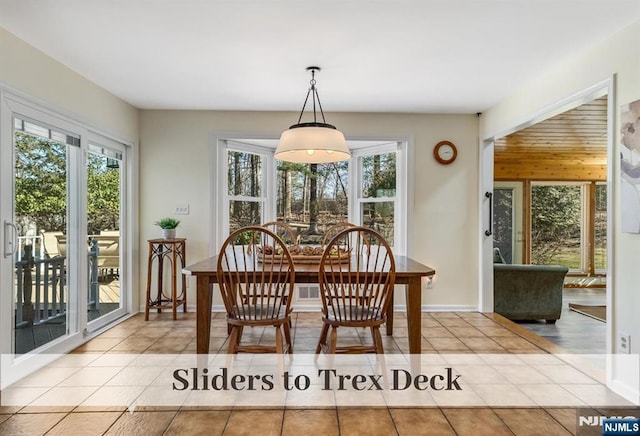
396 308
625 391
448 308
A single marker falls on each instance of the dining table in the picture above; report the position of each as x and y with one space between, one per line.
409 272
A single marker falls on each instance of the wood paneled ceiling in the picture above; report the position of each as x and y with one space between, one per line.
569 146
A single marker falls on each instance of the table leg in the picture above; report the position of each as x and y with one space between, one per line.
183 263
414 315
203 314
149 265
174 283
389 321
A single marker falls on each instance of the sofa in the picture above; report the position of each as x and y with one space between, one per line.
528 292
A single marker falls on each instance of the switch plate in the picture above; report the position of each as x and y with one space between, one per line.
182 209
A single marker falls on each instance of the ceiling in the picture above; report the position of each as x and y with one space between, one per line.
583 127
432 56
571 146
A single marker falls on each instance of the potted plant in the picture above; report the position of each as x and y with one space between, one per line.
168 226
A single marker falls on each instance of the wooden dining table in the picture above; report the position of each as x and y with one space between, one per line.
409 272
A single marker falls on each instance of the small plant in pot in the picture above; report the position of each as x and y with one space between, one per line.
168 226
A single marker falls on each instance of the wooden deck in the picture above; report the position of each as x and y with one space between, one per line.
28 338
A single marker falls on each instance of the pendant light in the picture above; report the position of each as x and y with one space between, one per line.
312 142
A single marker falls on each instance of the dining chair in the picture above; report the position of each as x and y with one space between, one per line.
283 230
334 230
356 293
256 279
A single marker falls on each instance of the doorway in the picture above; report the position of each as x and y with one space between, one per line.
584 243
63 197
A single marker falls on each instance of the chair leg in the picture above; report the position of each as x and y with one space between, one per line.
287 335
377 339
234 340
333 340
279 345
323 337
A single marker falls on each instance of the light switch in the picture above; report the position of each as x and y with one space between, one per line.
182 209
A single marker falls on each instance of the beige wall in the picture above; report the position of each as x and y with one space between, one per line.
30 71
620 55
175 164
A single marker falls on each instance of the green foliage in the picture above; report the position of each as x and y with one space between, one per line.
247 237
40 183
555 221
103 190
379 175
167 223
41 187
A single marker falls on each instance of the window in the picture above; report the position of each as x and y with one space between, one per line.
377 197
569 225
600 231
245 189
311 198
556 224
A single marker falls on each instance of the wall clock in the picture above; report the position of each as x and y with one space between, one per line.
445 152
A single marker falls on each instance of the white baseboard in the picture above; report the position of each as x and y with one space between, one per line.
396 308
447 308
627 392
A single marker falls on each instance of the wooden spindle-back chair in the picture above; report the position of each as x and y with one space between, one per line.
357 293
256 279
334 230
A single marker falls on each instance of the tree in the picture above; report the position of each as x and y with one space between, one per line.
41 187
313 200
40 183
103 195
555 220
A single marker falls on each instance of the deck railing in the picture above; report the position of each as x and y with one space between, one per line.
36 244
41 287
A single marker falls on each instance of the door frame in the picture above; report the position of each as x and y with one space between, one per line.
606 87
125 290
13 367
517 188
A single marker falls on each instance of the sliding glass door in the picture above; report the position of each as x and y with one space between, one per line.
42 230
63 196
105 181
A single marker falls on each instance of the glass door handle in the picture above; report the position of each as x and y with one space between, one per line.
10 239
489 195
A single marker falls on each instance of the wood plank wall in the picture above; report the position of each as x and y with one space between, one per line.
571 146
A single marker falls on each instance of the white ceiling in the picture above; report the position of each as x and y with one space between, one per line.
451 56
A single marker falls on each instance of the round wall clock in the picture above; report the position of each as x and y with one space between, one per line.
445 152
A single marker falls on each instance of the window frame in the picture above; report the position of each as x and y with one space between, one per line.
220 188
356 197
586 233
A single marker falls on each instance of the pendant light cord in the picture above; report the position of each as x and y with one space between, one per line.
314 93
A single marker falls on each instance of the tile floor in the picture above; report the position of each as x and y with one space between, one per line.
443 333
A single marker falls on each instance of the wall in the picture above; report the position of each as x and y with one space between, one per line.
620 55
30 71
26 70
175 159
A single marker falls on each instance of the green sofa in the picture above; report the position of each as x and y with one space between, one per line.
528 292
